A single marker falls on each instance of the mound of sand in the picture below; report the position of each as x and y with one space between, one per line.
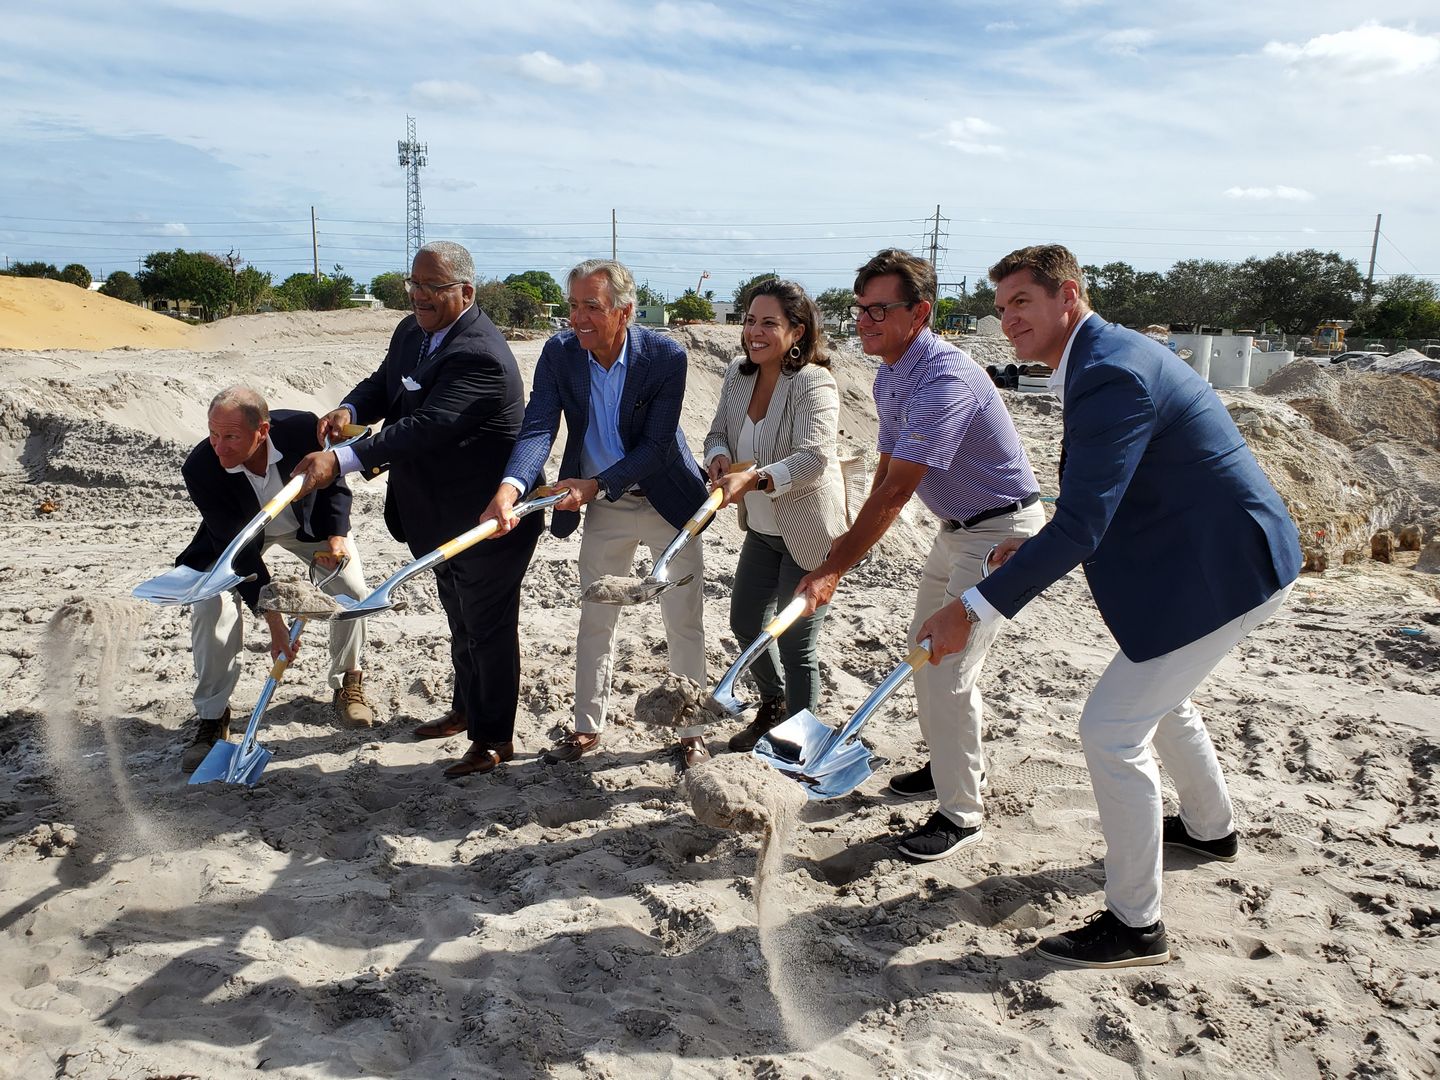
295 327
41 314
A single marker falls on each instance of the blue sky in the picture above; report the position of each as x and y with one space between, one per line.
732 138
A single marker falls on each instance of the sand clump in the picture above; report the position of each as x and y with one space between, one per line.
1382 546
1429 560
673 702
614 589
298 598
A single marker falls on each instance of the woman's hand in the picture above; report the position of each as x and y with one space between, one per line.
735 485
717 468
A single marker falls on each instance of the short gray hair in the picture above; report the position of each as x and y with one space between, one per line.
621 281
456 257
251 405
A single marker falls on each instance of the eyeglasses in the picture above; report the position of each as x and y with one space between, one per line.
877 311
419 288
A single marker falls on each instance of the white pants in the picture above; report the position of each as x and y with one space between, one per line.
217 631
951 712
613 530
1132 706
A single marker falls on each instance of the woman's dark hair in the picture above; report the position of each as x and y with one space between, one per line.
802 312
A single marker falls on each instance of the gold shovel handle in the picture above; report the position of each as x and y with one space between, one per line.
919 655
285 498
782 621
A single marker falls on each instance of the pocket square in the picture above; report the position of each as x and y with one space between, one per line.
409 383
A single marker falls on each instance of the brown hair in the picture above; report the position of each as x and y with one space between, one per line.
917 277
801 311
249 403
1049 264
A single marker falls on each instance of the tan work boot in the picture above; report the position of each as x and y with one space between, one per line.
207 734
351 708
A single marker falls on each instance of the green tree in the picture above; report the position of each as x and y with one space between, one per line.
305 292
546 290
1298 290
390 288
33 269
980 301
496 300
76 274
835 303
1123 295
122 286
692 307
645 296
203 279
1199 292
525 307
252 288
742 291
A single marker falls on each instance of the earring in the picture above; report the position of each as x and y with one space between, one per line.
794 352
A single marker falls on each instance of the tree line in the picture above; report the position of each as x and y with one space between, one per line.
1289 292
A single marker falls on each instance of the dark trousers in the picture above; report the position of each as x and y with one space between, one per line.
480 592
765 580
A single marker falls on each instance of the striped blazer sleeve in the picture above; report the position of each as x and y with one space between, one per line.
814 415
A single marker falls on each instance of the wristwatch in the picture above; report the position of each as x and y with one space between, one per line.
763 482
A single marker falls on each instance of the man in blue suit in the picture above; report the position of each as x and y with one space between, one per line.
619 388
1186 548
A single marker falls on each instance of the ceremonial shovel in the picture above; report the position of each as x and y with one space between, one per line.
658 580
186 585
722 700
831 762
379 600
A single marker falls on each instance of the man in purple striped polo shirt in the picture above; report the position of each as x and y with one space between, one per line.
945 436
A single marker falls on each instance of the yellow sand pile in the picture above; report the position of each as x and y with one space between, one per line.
41 314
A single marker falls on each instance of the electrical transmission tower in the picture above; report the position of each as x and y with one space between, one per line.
412 157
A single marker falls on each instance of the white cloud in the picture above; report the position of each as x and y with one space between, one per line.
1126 42
173 228
1403 161
1370 51
972 135
1006 26
543 67
445 94
1279 191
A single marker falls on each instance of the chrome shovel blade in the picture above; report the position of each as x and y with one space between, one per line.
226 763
184 585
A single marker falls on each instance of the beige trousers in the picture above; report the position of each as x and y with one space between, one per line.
612 532
947 693
217 630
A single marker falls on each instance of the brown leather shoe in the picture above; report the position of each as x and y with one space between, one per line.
693 751
452 723
207 734
351 708
481 758
572 747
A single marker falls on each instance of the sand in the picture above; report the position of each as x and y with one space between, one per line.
36 313
674 702
357 914
297 598
614 589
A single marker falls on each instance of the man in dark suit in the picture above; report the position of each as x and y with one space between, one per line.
619 388
243 465
1186 547
451 396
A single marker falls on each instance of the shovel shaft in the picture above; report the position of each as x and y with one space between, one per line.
282 500
892 682
724 693
247 742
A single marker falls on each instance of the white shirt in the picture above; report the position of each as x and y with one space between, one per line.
759 511
267 487
987 611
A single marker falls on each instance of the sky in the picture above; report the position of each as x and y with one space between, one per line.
728 139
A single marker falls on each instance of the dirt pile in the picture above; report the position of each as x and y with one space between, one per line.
36 313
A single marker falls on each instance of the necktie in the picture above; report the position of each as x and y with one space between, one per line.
424 347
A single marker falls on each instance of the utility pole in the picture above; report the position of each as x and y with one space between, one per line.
614 238
314 244
935 241
1370 277
413 157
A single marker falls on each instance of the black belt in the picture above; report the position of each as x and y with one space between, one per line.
986 515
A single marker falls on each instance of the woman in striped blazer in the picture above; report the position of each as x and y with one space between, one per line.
779 407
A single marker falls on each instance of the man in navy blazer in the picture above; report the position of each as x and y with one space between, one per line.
241 466
619 388
451 396
1186 546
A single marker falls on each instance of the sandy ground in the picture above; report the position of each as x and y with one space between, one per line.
355 914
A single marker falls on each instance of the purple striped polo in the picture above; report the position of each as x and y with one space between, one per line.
938 408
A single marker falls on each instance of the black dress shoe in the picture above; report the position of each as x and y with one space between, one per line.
482 757
770 714
452 723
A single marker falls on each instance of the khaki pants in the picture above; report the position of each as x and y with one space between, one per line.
217 631
612 533
947 693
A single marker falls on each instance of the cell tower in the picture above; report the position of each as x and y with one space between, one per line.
412 157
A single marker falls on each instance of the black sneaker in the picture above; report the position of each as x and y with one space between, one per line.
770 713
1226 849
919 782
939 837
1105 942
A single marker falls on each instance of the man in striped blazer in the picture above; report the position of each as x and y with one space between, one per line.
619 388
945 436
